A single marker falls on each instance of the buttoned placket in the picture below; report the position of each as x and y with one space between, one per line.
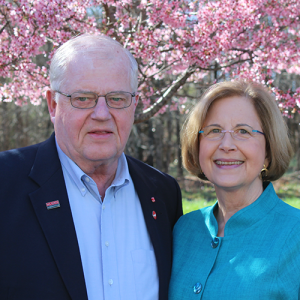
199 285
109 255
108 250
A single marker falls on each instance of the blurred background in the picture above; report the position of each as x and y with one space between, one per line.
182 47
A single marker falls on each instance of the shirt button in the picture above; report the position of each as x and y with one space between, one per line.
110 281
103 207
106 244
83 189
197 288
87 179
215 243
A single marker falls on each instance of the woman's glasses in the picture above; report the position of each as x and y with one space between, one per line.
243 132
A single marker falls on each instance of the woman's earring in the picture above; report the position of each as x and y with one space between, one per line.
264 171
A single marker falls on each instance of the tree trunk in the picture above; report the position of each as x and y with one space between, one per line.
179 159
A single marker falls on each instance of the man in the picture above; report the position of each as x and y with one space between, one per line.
79 219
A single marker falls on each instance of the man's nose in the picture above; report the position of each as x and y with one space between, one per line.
101 110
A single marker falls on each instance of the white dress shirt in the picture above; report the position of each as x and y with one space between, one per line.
117 255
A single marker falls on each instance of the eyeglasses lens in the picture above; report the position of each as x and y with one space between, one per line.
113 100
217 133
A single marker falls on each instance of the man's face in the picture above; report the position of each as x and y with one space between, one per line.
95 136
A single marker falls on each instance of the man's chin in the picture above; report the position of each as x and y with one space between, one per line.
100 156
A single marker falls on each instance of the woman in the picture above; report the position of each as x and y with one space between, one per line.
247 245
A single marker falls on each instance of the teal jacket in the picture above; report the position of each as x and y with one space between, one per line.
258 257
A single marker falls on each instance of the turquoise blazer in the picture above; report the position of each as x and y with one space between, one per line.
258 257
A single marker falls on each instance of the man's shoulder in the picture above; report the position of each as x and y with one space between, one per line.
16 165
20 157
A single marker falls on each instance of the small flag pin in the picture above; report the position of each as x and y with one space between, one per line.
53 204
154 215
153 199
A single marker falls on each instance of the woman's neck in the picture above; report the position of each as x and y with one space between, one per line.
231 201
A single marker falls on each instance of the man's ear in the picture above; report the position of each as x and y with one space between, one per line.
50 95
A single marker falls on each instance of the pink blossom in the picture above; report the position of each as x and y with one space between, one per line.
246 38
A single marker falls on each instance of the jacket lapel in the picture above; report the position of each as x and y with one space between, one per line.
57 223
146 188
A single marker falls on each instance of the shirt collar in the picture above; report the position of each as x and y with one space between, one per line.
244 218
121 179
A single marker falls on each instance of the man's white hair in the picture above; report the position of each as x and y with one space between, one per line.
101 46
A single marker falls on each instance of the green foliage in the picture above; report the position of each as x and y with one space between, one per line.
197 203
195 200
287 188
288 191
189 206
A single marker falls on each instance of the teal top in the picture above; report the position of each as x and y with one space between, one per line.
258 257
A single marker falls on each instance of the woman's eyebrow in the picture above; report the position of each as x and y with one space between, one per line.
242 124
218 125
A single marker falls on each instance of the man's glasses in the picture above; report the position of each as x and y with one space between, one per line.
240 133
84 100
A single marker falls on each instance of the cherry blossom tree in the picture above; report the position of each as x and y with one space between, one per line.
176 43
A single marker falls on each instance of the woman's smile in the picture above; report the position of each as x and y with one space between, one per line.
228 164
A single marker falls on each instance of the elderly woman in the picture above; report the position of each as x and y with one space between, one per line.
247 245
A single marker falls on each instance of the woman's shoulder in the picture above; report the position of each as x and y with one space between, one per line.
284 220
287 213
279 209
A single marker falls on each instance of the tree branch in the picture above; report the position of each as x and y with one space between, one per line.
166 97
1 30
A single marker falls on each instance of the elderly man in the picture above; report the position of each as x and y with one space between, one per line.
78 218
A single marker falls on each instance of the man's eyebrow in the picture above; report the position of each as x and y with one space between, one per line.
80 91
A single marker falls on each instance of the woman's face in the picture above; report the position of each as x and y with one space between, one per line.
231 163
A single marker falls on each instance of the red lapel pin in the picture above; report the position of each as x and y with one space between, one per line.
153 199
154 215
53 204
